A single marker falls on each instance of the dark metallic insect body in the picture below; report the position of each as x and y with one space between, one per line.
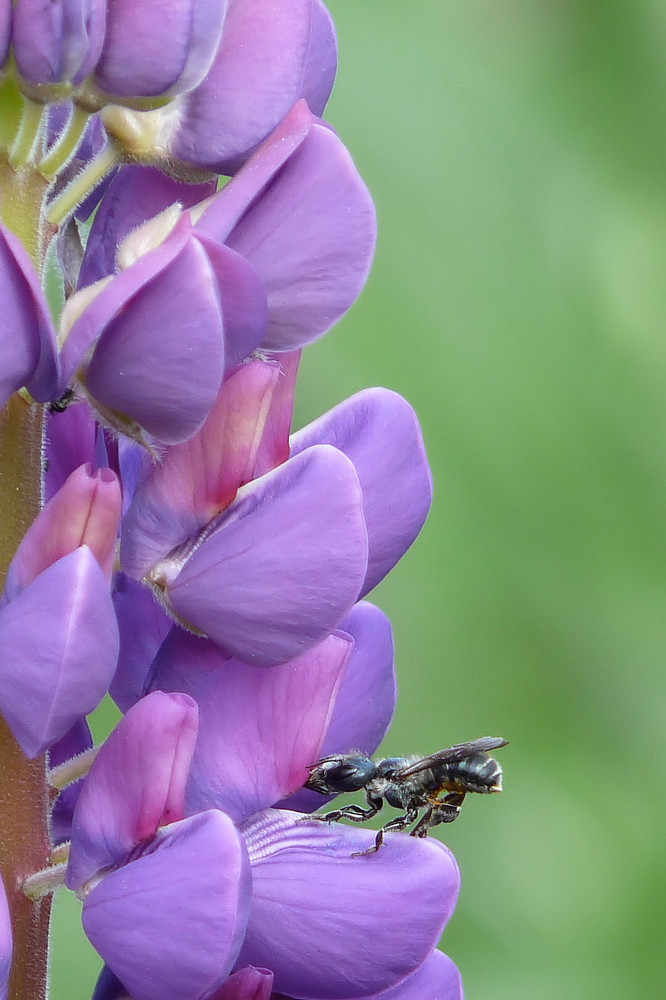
436 784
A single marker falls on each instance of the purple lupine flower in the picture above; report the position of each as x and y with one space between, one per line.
298 213
151 346
158 48
5 943
238 730
58 631
317 944
57 43
185 881
268 566
28 352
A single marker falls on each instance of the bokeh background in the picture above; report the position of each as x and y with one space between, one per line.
516 150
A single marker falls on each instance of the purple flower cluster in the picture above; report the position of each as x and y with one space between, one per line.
196 558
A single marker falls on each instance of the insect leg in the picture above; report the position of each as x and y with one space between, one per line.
398 823
357 814
439 812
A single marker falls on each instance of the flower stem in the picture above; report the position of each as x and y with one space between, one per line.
66 145
24 796
83 184
24 145
69 772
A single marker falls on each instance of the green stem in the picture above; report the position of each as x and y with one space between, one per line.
83 184
24 795
24 145
66 145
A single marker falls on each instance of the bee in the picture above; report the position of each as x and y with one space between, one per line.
436 784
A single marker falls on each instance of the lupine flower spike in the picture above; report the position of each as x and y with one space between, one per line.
170 540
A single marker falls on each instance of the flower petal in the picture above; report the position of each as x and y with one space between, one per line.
158 47
28 352
160 359
366 700
283 566
85 511
57 43
143 625
310 237
247 984
71 438
198 479
256 77
135 785
58 650
109 987
221 213
135 195
315 907
379 431
170 923
321 61
259 730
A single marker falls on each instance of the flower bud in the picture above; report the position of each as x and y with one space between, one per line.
57 43
158 48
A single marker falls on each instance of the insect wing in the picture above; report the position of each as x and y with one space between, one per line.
458 752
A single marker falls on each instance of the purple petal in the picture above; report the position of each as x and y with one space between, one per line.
379 431
85 511
243 300
437 979
170 923
247 984
58 650
143 625
197 480
302 216
273 449
284 565
366 701
230 204
257 75
259 730
28 351
135 195
135 785
315 908
6 944
110 301
70 442
311 239
321 61
109 987
5 28
160 358
158 47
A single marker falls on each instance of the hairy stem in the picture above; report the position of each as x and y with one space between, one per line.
24 795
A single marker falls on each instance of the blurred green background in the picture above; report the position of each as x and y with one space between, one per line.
517 154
